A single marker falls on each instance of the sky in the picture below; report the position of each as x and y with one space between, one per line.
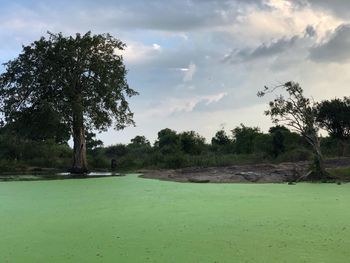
198 64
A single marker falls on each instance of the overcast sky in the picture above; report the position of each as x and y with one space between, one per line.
198 64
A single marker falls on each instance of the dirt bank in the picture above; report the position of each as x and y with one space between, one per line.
256 173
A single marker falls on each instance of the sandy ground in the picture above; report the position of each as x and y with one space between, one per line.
256 173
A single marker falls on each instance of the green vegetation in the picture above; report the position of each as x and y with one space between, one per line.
301 114
334 116
66 86
171 150
340 173
127 219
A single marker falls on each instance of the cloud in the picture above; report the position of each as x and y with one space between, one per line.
264 50
137 53
335 49
175 50
156 46
337 7
173 106
161 15
274 48
281 19
107 15
189 72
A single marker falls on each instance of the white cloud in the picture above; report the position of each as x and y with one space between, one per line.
156 46
172 106
189 72
281 19
136 52
206 124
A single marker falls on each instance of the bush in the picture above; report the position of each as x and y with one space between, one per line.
174 161
295 155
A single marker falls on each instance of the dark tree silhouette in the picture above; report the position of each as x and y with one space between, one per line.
334 116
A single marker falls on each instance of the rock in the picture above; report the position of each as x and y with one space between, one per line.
250 176
198 180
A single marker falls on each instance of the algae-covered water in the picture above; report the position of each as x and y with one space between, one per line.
129 219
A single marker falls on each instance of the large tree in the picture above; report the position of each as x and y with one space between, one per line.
299 113
81 78
334 116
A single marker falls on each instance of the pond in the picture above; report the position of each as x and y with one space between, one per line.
130 219
52 176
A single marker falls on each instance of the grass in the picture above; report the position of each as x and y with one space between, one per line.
127 219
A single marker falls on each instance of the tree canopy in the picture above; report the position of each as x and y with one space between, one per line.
334 116
244 138
82 79
299 113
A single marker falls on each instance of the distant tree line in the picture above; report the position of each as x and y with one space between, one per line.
47 147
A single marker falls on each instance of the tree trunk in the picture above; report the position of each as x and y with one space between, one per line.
79 149
319 171
79 152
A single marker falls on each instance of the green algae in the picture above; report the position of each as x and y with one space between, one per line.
129 219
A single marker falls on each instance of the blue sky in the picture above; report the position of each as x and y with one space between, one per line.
198 64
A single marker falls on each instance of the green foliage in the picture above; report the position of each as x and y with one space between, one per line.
331 146
60 86
283 140
221 139
53 71
340 173
278 134
299 113
168 141
222 143
296 111
191 142
91 141
139 141
116 151
18 153
244 139
263 145
334 117
40 123
295 155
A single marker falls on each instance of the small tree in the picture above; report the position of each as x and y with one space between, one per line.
244 138
168 141
139 141
222 142
278 139
191 142
334 116
81 78
299 113
220 138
